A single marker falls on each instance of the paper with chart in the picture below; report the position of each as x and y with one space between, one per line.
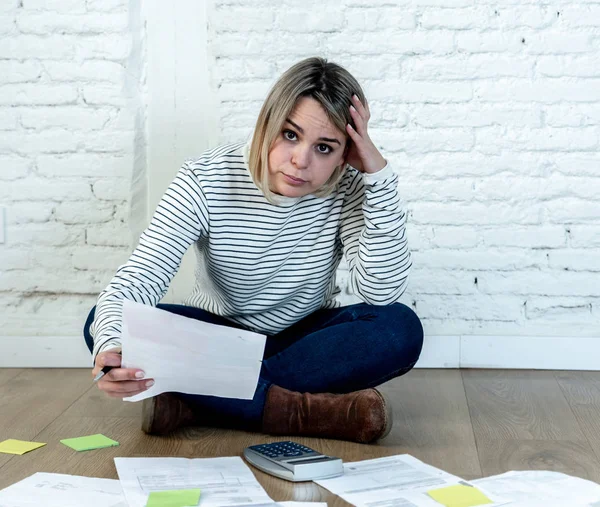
59 490
223 481
189 356
535 488
400 480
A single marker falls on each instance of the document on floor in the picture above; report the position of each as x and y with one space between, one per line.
398 481
59 490
223 481
189 356
287 504
537 488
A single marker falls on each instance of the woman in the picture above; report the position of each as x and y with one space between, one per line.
270 223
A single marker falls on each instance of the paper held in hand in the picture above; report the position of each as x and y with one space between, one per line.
190 356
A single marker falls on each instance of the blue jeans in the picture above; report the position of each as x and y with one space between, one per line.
337 350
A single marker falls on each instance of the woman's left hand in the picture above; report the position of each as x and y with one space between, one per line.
363 154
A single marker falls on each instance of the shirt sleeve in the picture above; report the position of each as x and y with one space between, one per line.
180 219
373 236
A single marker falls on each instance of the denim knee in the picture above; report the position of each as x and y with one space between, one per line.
405 332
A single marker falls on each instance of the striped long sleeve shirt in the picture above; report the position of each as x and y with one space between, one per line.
262 265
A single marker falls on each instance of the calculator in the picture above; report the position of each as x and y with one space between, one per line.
293 462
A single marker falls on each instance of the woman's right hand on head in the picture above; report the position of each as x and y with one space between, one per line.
119 382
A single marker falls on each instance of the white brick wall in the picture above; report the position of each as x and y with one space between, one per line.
67 116
489 111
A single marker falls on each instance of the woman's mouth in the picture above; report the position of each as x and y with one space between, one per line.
293 181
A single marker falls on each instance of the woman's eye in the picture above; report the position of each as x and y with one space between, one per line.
289 135
324 148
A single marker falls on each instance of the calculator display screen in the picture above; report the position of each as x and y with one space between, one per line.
309 460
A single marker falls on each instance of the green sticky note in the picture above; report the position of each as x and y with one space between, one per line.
175 498
88 443
12 446
459 495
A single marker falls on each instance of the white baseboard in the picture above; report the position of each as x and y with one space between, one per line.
440 352
531 352
518 352
44 352
512 352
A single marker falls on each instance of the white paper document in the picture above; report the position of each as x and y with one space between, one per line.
222 481
59 490
189 356
289 504
393 481
542 489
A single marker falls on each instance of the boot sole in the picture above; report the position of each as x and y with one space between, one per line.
389 415
148 407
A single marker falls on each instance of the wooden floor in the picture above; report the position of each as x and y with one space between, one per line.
471 423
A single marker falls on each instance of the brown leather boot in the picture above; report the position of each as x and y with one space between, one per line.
165 413
362 416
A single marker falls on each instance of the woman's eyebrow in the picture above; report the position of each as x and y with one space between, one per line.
301 130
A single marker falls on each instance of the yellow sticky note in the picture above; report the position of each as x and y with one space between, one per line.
12 446
176 498
459 495
90 442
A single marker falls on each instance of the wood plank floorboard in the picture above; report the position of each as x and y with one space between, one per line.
582 390
94 403
523 421
33 399
431 421
573 458
7 374
471 423
519 405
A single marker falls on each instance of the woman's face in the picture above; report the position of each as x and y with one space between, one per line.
306 152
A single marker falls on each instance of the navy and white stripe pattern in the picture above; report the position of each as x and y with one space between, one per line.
266 266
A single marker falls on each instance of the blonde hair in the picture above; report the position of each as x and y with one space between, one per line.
330 85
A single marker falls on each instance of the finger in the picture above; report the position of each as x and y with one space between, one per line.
106 359
124 374
365 106
360 107
359 121
125 388
353 134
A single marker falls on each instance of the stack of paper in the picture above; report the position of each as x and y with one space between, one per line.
543 489
401 480
58 490
405 481
392 481
223 481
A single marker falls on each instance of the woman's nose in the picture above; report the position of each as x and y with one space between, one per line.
301 157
